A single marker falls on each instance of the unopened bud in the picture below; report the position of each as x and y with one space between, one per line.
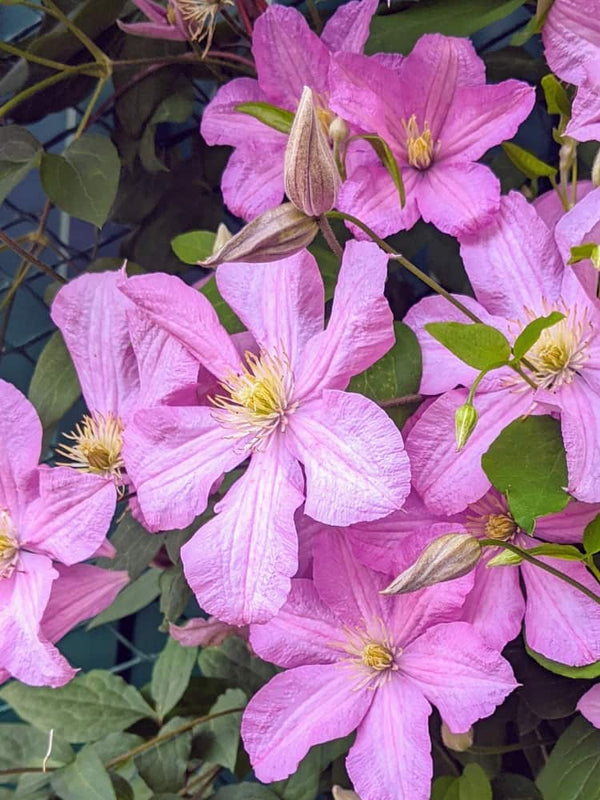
338 130
311 176
567 154
505 558
223 235
448 557
465 420
279 232
596 169
344 794
459 742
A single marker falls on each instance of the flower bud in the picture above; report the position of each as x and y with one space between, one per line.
279 232
447 557
459 742
223 235
344 794
596 169
338 130
465 420
311 177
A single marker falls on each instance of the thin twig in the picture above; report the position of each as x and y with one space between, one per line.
401 401
30 258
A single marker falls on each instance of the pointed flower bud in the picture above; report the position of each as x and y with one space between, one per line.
459 742
311 177
279 232
447 557
465 420
344 794
223 235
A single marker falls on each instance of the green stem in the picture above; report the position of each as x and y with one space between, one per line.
330 237
84 69
90 106
45 62
31 259
542 565
98 54
563 199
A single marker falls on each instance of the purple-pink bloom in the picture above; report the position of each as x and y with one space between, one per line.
584 124
550 207
518 273
358 661
589 705
205 632
282 406
438 115
45 515
288 57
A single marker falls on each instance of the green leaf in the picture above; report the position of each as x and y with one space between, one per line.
22 746
397 33
532 332
245 791
171 675
474 784
572 771
505 558
54 386
193 246
527 463
233 662
582 252
19 153
219 739
174 593
531 166
329 267
176 107
480 346
85 777
445 788
557 99
278 118
83 181
514 787
304 783
567 552
228 318
588 672
122 788
116 744
134 597
135 547
385 155
91 706
163 767
591 536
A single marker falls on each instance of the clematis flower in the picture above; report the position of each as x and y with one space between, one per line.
517 270
584 125
550 207
46 515
288 56
282 406
438 115
589 705
358 661
205 632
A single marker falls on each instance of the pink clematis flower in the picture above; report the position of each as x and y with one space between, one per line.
438 115
288 57
550 206
517 270
589 705
45 515
358 661
584 124
205 632
283 407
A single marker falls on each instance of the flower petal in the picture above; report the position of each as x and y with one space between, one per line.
239 564
209 632
296 710
153 30
21 437
579 226
222 124
353 452
571 36
584 125
589 705
551 209
580 425
348 28
567 526
253 179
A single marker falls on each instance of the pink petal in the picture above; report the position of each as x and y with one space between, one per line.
584 125
303 632
561 623
209 632
24 651
459 673
298 709
361 326
79 593
153 30
571 36
91 314
589 705
154 11
567 526
240 563
21 435
514 262
482 117
253 180
281 303
351 450
222 124
580 424
188 316
391 757
446 479
72 515
551 209
288 56
174 455
582 223
458 198
348 28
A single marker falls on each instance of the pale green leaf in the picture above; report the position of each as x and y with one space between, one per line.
194 246
531 166
478 345
54 386
134 597
277 118
171 675
85 778
532 332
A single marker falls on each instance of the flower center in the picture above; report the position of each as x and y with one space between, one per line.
199 17
490 518
9 547
420 148
500 526
259 398
377 656
98 442
371 652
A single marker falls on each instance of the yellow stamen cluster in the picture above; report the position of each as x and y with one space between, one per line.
377 656
98 442
372 652
561 351
259 398
501 527
420 147
200 18
490 518
9 547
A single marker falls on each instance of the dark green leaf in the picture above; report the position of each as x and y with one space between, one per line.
445 788
546 694
278 118
557 99
582 252
174 593
531 166
515 787
219 738
193 246
135 547
83 181
245 791
304 783
134 597
476 344
54 386
591 536
233 662
588 672
474 784
163 767
116 744
527 463
85 777
22 746
532 332
171 675
385 155
91 706
176 107
227 317
122 788
329 267
573 769
19 152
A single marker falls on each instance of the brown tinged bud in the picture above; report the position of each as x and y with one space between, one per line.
465 420
459 742
448 557
279 232
344 794
311 176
